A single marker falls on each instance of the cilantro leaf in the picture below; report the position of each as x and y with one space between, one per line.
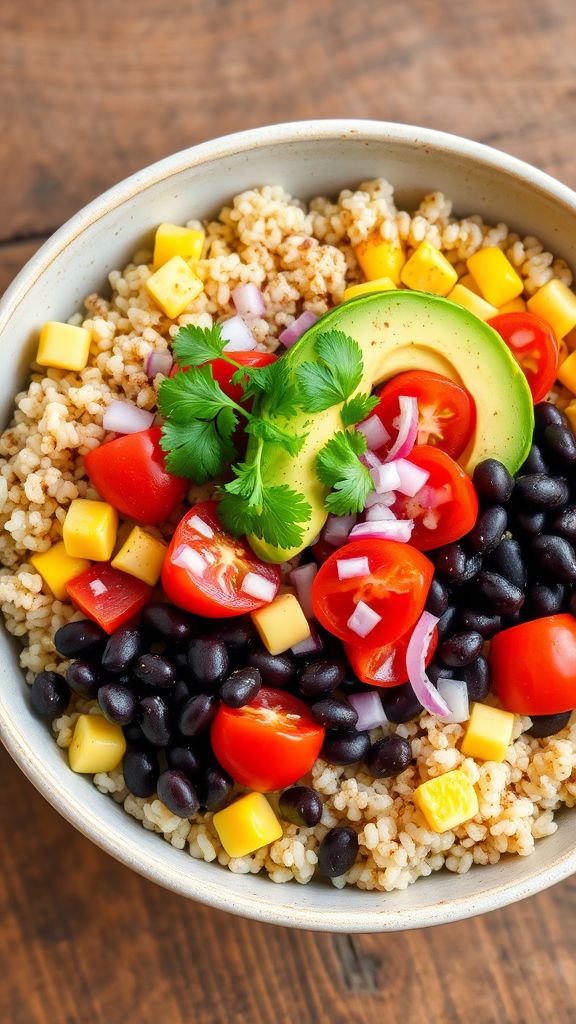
335 376
357 409
196 449
267 431
339 467
192 394
194 345
276 382
276 521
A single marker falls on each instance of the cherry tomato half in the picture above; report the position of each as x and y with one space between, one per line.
533 344
130 474
396 589
446 508
223 371
446 411
534 666
213 587
385 666
269 743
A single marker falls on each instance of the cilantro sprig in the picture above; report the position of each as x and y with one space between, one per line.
338 466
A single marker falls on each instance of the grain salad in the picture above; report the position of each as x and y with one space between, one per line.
304 261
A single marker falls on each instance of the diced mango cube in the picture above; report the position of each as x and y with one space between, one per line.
488 733
172 240
447 801
467 281
57 568
89 529
514 306
462 296
380 258
63 346
570 413
556 304
174 286
567 373
281 624
247 825
495 276
141 556
97 745
428 270
380 284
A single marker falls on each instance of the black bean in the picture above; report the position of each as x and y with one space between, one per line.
140 770
555 558
208 660
49 695
179 659
461 648
435 671
499 595
177 793
322 677
84 639
389 756
437 600
545 415
492 481
447 622
177 696
277 670
169 622
400 703
117 703
450 561
486 625
560 444
513 619
543 599
237 635
541 491
529 524
535 462
156 720
334 714
197 714
508 561
548 725
240 687
351 684
471 570
337 851
488 531
564 523
84 679
346 747
186 758
301 806
134 735
477 677
123 647
155 672
216 789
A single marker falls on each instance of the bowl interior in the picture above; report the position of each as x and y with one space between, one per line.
307 159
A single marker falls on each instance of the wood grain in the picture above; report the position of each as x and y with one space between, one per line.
88 93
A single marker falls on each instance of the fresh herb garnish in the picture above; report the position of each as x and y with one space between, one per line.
339 467
194 345
357 409
335 376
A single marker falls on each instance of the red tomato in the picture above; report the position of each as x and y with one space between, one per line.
451 494
533 344
446 411
215 590
385 666
534 666
130 474
223 371
269 743
108 596
396 589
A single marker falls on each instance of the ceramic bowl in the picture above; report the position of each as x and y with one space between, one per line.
307 158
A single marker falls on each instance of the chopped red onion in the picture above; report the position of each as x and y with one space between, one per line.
380 499
412 478
385 477
374 431
370 459
337 529
237 334
290 335
379 513
200 526
259 587
351 568
303 578
370 711
363 619
125 418
248 300
384 529
158 362
313 644
418 646
433 497
455 693
407 429
190 559
97 587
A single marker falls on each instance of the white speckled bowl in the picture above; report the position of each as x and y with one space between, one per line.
308 158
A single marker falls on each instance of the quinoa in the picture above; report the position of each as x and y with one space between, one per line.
302 258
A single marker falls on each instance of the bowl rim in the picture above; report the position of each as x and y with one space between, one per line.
154 867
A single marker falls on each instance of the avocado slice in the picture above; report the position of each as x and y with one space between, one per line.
398 331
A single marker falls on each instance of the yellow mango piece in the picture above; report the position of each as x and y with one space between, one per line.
563 351
495 276
380 258
174 286
514 306
97 745
281 624
555 303
447 801
380 284
467 281
428 270
567 373
141 556
570 413
57 568
89 529
172 240
64 346
247 825
488 733
462 296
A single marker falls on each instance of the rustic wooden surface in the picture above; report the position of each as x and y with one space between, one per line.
89 92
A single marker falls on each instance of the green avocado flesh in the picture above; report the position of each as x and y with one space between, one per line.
398 331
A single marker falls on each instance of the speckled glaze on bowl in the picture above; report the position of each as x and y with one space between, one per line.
307 158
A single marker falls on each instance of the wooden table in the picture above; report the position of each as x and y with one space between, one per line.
90 91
